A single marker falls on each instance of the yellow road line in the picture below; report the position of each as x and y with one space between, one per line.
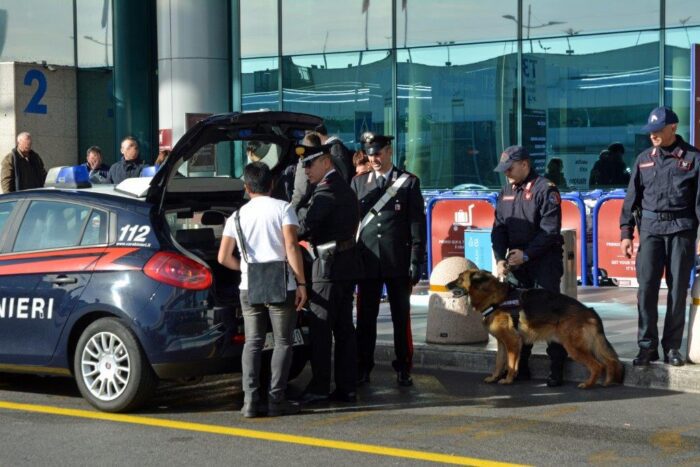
254 434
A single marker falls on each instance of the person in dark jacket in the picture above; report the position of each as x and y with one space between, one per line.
341 155
527 241
391 243
98 171
22 168
555 173
130 165
663 202
329 222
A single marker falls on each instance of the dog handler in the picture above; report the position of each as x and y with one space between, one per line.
527 241
664 186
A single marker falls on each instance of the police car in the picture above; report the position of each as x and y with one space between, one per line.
119 286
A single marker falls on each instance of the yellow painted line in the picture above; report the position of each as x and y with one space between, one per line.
696 301
255 434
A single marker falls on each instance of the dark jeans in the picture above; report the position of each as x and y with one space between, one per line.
283 318
674 254
368 297
331 317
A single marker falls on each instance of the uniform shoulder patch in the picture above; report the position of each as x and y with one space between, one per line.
554 197
551 184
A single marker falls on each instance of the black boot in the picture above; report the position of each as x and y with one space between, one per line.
523 365
557 355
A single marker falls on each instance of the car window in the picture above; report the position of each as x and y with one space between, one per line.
5 211
51 224
96 229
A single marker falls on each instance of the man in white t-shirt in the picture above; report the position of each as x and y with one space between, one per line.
269 229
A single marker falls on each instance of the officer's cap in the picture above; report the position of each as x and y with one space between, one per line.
659 118
510 155
309 153
372 143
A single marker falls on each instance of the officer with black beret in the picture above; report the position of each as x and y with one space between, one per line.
391 243
664 192
527 241
329 222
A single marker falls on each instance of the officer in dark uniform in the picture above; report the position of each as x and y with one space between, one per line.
663 201
329 222
527 241
391 243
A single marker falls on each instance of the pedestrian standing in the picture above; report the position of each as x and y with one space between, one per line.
130 165
391 243
663 191
97 170
22 168
527 241
265 231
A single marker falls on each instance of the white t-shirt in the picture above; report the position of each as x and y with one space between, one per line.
261 221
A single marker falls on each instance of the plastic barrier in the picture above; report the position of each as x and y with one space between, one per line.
573 217
606 242
448 216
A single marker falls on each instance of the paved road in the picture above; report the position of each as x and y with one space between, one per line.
445 413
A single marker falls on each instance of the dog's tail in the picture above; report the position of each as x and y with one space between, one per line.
605 353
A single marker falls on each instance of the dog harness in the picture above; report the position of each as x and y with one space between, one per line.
512 304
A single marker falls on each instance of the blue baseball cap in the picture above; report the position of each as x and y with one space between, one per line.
659 118
510 155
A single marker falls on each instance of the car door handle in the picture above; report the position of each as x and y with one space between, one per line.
65 280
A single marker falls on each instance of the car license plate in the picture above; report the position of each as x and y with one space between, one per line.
297 339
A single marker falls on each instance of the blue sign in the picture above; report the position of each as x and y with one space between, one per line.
34 106
477 248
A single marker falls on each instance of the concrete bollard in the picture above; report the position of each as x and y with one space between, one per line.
452 320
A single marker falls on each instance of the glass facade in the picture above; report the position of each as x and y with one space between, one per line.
457 81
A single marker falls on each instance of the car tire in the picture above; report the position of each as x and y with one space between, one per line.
110 368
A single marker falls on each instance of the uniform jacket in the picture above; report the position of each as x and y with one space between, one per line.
332 215
31 173
664 180
528 217
124 169
395 238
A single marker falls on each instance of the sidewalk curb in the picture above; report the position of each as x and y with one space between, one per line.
459 358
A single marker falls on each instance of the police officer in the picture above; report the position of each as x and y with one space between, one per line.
329 222
664 187
391 243
527 241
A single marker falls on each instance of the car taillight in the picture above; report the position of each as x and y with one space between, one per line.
178 270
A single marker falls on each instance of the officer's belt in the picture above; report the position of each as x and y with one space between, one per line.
388 194
334 246
668 215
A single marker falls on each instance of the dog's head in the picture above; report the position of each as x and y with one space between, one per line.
481 286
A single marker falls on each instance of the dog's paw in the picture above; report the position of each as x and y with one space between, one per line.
585 386
506 381
490 379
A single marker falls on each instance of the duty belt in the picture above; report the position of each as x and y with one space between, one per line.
344 245
667 215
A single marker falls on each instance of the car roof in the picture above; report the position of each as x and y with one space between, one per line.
106 195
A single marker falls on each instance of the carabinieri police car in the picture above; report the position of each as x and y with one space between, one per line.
119 286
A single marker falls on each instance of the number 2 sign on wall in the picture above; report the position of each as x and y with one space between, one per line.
35 106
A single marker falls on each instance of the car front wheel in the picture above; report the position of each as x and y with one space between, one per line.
110 368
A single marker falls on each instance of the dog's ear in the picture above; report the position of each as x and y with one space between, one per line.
479 277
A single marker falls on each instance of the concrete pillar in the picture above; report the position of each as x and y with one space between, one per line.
193 61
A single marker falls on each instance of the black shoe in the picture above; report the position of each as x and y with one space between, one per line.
312 398
249 410
523 374
674 358
283 407
554 381
363 377
645 357
342 396
403 377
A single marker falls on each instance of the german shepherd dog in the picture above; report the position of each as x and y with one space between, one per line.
542 316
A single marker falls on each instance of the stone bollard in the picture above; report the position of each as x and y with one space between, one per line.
452 320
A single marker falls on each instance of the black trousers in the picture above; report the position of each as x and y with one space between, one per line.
368 297
331 317
674 254
543 273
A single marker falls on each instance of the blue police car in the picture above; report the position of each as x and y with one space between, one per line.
119 286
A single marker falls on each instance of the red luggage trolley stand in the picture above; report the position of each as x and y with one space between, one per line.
573 217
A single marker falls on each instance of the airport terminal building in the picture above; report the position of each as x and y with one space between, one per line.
455 81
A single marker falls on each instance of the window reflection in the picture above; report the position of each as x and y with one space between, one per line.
456 113
313 26
258 28
94 23
260 84
351 91
586 93
453 20
682 13
677 74
37 30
